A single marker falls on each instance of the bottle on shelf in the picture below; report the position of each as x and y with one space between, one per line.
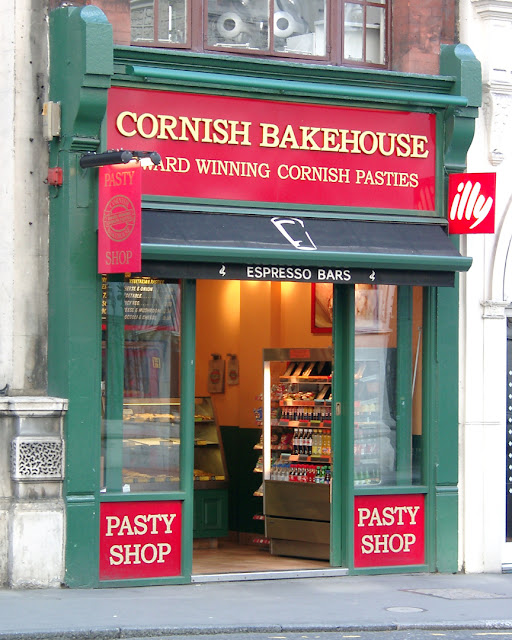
310 442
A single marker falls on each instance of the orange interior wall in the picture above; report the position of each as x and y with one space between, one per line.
217 331
245 317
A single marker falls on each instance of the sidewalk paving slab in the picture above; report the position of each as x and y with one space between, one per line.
347 603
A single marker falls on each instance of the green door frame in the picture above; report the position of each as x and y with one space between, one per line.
342 416
343 490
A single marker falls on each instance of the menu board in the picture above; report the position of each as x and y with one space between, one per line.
148 302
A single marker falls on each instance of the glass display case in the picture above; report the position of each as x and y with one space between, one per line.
143 449
298 433
297 460
151 444
297 451
374 424
209 462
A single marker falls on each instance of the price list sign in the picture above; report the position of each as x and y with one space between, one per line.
148 302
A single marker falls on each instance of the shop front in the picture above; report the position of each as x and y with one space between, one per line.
281 369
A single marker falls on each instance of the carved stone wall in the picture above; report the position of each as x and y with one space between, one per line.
32 511
496 17
37 458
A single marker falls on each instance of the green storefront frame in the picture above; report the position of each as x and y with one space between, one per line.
84 64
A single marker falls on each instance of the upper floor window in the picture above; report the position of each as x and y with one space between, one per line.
336 31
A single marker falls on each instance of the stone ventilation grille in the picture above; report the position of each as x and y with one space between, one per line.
37 458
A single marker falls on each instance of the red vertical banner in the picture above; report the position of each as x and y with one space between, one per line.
119 218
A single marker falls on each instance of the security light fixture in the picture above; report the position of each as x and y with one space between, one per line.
119 156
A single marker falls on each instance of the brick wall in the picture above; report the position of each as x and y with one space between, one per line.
419 29
117 12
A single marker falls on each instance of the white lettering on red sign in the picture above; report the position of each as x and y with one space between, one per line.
389 516
470 204
140 524
138 553
389 530
140 540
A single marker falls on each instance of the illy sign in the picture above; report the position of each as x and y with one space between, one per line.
471 203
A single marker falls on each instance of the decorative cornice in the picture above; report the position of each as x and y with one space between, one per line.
493 9
494 309
495 110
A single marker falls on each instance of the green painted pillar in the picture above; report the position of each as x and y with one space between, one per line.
342 509
459 62
445 436
81 66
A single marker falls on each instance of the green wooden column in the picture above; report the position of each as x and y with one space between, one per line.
187 396
81 66
430 412
342 508
404 386
440 426
445 435
459 62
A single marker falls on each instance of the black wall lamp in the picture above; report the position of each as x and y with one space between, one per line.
120 156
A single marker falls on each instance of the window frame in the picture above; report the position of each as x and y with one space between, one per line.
270 52
162 44
197 35
343 61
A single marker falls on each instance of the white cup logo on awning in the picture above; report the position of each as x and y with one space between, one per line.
294 231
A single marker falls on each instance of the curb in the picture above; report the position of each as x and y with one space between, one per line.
122 633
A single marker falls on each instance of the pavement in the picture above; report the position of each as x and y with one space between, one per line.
341 603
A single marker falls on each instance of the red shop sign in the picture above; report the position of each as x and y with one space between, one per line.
471 203
231 148
140 540
389 530
119 219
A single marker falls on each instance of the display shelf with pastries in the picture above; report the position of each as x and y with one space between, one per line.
209 461
149 456
150 444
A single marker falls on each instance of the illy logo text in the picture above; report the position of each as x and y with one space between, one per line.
472 203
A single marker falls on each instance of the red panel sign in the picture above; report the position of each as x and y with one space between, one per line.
227 148
471 203
140 540
119 219
389 530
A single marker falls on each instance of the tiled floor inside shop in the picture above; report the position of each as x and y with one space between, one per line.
230 557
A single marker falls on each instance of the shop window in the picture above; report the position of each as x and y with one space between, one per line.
335 31
364 29
141 390
417 387
285 27
159 22
375 385
387 433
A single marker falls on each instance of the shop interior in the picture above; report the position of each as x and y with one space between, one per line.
237 322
